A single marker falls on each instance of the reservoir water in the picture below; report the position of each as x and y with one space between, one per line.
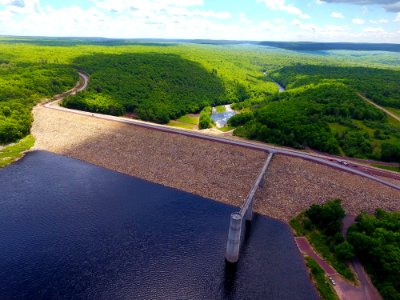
72 230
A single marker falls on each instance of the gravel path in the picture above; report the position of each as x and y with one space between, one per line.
214 170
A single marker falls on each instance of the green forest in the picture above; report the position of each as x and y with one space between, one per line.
381 86
322 110
155 87
22 85
374 239
160 82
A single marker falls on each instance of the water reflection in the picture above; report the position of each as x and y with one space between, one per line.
230 280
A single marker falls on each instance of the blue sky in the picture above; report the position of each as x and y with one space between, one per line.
282 20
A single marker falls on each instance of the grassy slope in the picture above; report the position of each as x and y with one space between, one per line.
188 119
396 169
323 285
15 151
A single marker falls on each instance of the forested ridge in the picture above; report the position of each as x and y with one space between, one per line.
381 86
155 87
322 110
162 81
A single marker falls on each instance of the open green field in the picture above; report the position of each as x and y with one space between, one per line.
161 82
390 168
185 122
194 120
180 125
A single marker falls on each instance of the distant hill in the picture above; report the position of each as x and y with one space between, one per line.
310 46
295 46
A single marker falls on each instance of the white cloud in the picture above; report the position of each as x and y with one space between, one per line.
244 20
170 19
397 17
282 6
374 30
358 21
337 15
279 21
378 21
304 26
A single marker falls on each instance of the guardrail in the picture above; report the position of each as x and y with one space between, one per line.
246 212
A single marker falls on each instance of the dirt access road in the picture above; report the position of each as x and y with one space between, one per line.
380 108
345 290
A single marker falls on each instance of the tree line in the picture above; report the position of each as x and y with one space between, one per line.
22 85
153 86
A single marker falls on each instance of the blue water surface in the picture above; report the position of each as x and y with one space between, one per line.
72 230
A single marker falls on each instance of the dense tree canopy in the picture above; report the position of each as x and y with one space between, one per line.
325 113
327 217
156 87
381 86
22 85
376 240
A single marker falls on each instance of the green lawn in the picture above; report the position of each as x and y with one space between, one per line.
322 283
14 151
220 109
396 169
226 128
180 125
189 119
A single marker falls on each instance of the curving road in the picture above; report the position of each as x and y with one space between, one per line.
321 159
83 83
